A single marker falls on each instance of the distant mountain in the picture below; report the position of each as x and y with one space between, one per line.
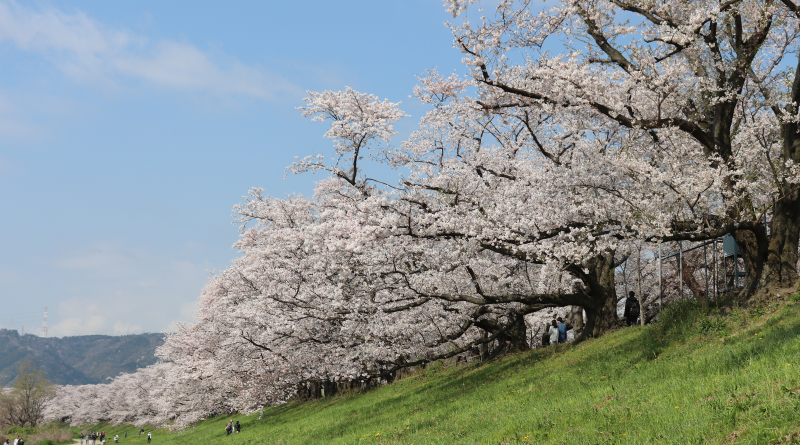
77 360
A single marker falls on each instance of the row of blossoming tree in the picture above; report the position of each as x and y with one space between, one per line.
526 185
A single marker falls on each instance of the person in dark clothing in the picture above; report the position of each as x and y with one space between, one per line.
546 336
631 309
237 427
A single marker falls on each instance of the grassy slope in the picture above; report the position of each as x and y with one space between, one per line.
690 379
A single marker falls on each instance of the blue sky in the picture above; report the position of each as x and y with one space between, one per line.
128 130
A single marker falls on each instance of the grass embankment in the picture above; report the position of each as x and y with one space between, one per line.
692 378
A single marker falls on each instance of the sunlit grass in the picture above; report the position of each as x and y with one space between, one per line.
692 378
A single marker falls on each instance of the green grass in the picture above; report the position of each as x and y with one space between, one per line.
690 379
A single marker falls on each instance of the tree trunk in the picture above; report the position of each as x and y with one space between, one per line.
639 296
601 287
754 253
516 336
576 319
688 279
771 260
780 267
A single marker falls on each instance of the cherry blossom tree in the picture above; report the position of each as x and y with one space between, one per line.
504 181
525 187
699 98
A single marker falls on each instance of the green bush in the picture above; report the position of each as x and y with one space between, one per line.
18 430
712 325
796 297
45 442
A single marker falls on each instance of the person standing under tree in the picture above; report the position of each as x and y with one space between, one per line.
631 308
553 331
562 330
546 335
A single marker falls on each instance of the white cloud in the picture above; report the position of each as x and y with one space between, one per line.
186 315
115 289
121 328
78 317
92 53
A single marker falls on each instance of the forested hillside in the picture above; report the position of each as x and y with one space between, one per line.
77 360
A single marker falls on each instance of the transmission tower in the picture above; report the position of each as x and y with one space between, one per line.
44 323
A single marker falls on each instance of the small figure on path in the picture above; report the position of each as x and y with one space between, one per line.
631 308
553 330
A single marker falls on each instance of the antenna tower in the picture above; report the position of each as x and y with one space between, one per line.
44 323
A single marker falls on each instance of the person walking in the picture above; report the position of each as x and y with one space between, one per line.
116 438
631 309
237 427
562 330
81 437
553 331
229 428
149 436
